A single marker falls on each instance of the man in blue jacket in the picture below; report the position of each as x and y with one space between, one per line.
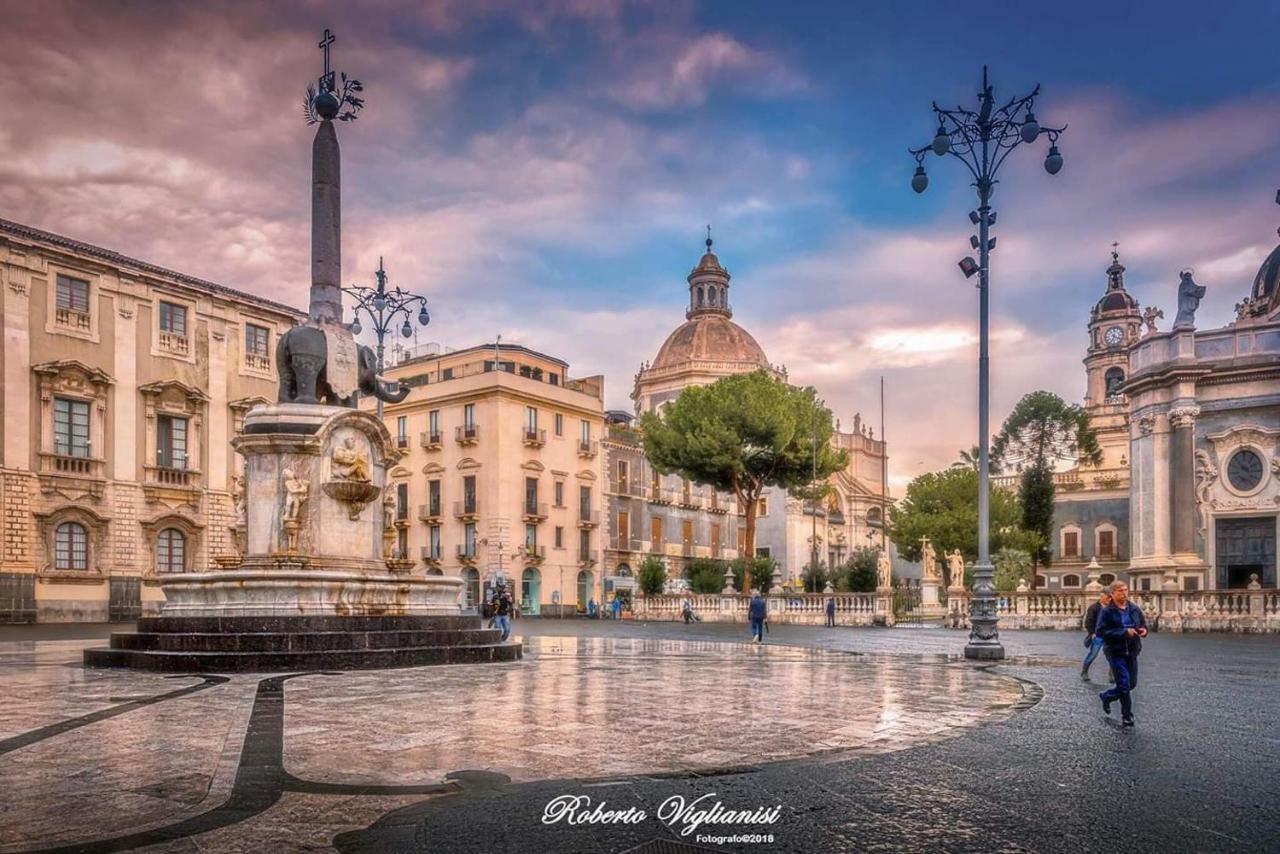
758 612
1122 626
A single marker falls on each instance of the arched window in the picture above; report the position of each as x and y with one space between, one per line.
711 296
435 570
71 546
171 551
1071 580
471 576
1106 578
586 584
699 296
1041 582
874 517
624 571
1114 378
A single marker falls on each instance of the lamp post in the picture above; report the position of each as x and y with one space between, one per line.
981 141
382 307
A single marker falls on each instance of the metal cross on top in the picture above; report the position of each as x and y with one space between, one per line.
326 80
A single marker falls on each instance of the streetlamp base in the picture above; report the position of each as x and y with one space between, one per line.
984 651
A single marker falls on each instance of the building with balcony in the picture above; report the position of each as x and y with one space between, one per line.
504 467
124 384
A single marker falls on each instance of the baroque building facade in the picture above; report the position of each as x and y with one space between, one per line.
502 482
651 513
1188 494
124 383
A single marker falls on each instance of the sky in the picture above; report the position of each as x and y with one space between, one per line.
545 171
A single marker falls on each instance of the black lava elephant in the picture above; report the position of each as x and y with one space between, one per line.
301 354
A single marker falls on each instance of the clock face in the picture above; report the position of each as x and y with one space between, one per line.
1245 470
1114 336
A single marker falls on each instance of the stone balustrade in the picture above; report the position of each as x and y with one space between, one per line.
1166 610
852 609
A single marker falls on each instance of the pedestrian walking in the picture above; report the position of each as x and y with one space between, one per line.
1122 626
831 611
1092 640
502 616
758 612
687 610
617 607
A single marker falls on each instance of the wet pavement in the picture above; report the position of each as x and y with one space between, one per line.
863 739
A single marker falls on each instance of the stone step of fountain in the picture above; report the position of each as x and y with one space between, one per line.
171 661
297 624
300 641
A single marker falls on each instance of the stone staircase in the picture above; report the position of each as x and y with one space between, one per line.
263 644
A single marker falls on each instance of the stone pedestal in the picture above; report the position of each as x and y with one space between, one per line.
931 599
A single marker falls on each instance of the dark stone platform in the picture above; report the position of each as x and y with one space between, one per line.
264 644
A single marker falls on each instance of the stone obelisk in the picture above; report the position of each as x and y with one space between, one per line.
326 225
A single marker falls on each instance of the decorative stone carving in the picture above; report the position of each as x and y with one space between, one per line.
1206 473
296 490
1146 424
955 567
1183 416
1149 316
884 570
389 523
1189 296
350 463
929 559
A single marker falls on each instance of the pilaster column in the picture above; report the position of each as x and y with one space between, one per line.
1182 506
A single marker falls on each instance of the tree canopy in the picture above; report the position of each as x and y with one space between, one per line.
943 506
1044 429
742 434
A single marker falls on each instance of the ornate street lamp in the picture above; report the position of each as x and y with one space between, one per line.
981 141
383 307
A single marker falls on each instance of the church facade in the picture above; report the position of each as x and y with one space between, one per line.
1189 421
650 513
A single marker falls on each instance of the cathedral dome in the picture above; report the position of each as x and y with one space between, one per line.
709 337
1267 282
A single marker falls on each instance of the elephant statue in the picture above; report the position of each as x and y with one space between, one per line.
301 356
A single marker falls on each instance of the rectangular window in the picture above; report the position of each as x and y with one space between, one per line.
173 319
469 415
764 551
402 501
624 528
70 427
1070 544
171 442
73 294
72 302
623 475
1106 544
559 493
433 542
554 379
686 534
715 539
257 343
71 546
584 502
446 374
559 537
402 543
763 508
655 532
531 536
402 431
531 495
584 434
531 418
469 538
433 424
559 424
584 545
469 493
433 497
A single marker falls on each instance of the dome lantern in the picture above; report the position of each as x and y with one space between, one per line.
709 285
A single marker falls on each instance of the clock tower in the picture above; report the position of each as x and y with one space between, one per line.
1114 325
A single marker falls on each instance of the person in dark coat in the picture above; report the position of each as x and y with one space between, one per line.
1092 640
758 612
503 615
687 611
831 611
1122 627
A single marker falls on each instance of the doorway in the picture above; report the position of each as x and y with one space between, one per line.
531 592
1245 547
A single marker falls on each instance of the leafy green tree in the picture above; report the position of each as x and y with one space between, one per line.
1012 566
858 575
943 506
1035 492
706 575
742 434
814 576
760 568
652 575
1042 431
